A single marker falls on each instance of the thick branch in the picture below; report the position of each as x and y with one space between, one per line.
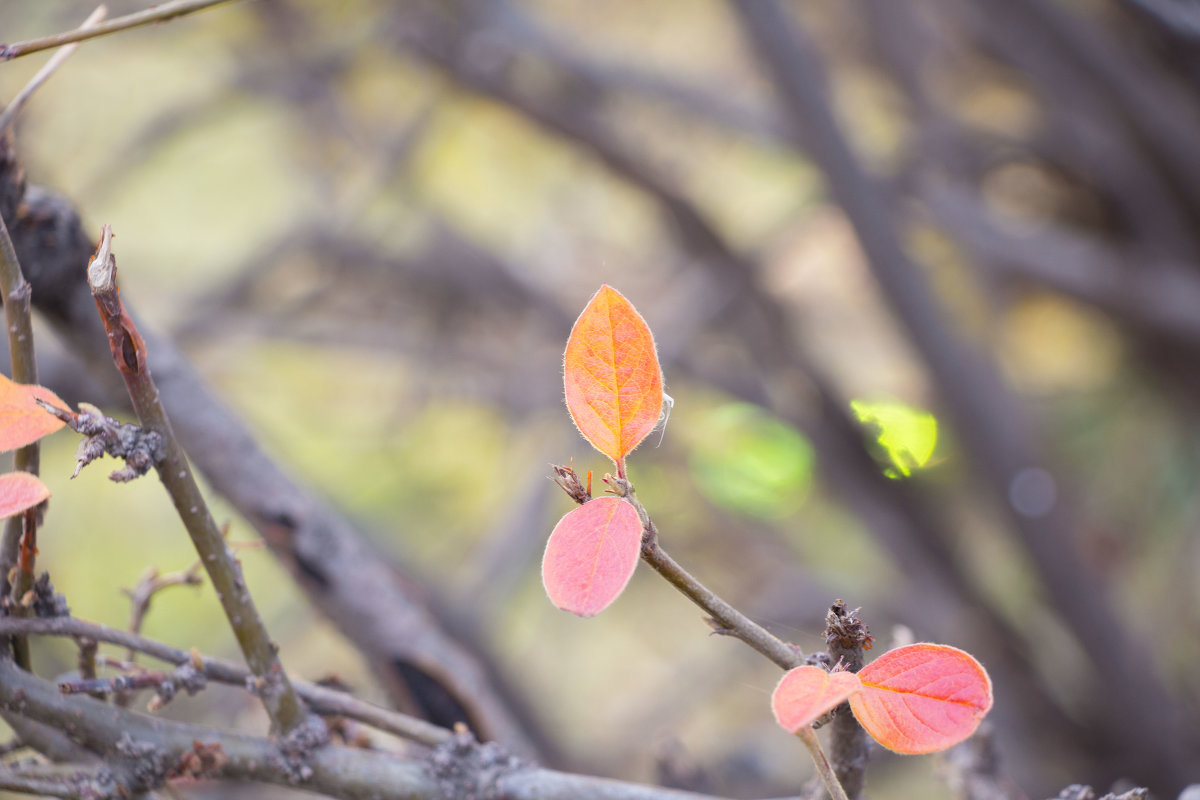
151 749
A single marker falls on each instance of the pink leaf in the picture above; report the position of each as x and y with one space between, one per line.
20 491
922 698
22 420
591 555
805 693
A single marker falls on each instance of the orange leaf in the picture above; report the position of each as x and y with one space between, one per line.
22 421
20 491
613 381
591 555
805 693
922 698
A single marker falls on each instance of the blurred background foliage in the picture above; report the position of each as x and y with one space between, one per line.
369 233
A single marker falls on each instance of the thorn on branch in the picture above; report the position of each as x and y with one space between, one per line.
140 448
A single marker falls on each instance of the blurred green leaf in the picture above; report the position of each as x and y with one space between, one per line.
748 461
907 435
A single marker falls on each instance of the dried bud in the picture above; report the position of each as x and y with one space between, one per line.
566 478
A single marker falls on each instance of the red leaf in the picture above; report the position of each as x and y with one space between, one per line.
612 378
22 421
19 491
591 555
805 693
922 698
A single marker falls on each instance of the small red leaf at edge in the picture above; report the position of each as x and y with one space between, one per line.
591 555
611 375
922 698
805 693
22 421
20 491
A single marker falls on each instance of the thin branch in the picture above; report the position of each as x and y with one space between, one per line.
151 583
129 355
49 68
322 700
17 545
158 13
727 618
809 737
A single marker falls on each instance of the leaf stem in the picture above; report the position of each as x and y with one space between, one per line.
128 348
809 737
159 13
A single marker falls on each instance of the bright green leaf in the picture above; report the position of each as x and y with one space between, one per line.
907 435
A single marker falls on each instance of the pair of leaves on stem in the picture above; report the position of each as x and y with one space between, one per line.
22 422
614 391
916 699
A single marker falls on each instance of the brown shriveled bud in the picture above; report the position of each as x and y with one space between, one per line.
569 482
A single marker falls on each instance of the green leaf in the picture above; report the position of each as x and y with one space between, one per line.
907 435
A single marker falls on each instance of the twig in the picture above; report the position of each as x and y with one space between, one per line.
17 546
129 354
728 619
809 737
150 584
190 677
158 13
49 68
323 700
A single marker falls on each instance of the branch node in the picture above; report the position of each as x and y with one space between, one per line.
298 745
463 767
